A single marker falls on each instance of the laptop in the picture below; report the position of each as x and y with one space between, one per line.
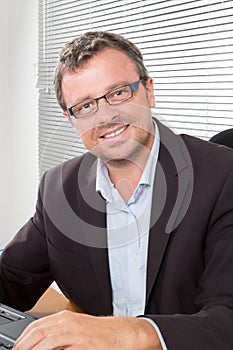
12 324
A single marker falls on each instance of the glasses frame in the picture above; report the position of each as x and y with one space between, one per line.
133 88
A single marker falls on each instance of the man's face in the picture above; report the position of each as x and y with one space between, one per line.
115 132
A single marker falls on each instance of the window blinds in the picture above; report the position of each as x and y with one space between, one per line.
187 47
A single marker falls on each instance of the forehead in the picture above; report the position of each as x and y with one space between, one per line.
107 69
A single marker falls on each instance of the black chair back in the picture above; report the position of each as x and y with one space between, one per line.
224 138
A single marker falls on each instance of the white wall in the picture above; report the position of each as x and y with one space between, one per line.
4 118
18 101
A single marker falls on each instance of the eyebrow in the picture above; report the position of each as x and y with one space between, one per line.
108 89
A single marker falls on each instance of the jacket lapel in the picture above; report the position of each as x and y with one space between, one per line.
171 197
93 208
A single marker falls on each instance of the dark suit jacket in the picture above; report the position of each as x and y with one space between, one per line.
189 292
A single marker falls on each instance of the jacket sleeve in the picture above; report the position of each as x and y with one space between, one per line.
211 328
24 266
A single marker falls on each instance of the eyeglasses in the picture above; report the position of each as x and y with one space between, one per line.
113 97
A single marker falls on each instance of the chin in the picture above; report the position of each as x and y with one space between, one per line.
119 157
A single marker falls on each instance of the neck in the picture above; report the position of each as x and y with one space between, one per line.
126 174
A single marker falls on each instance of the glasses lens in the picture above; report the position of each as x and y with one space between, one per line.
84 108
119 95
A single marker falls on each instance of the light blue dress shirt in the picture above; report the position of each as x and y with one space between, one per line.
127 232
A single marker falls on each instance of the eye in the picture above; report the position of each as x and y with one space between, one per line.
84 108
119 94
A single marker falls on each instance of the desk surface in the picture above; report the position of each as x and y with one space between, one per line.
50 302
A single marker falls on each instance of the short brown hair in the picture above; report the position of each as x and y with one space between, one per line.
78 51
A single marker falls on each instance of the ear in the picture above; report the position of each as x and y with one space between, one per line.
66 115
150 92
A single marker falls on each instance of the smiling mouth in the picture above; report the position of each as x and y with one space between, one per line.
115 133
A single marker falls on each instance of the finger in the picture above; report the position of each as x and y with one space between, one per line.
33 335
29 339
52 341
43 323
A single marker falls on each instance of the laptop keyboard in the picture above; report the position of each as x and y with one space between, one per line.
5 344
12 323
6 317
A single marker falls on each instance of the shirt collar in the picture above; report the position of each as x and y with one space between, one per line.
147 177
106 187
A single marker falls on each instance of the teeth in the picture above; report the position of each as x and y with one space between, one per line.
118 132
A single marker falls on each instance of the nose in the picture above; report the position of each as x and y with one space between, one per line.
106 113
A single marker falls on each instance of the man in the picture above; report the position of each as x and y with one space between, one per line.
141 225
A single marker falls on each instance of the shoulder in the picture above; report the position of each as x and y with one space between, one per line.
200 151
70 167
212 163
65 174
209 163
208 153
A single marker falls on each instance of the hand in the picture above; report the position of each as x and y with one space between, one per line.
73 331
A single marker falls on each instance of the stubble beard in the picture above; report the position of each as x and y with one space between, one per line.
137 152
